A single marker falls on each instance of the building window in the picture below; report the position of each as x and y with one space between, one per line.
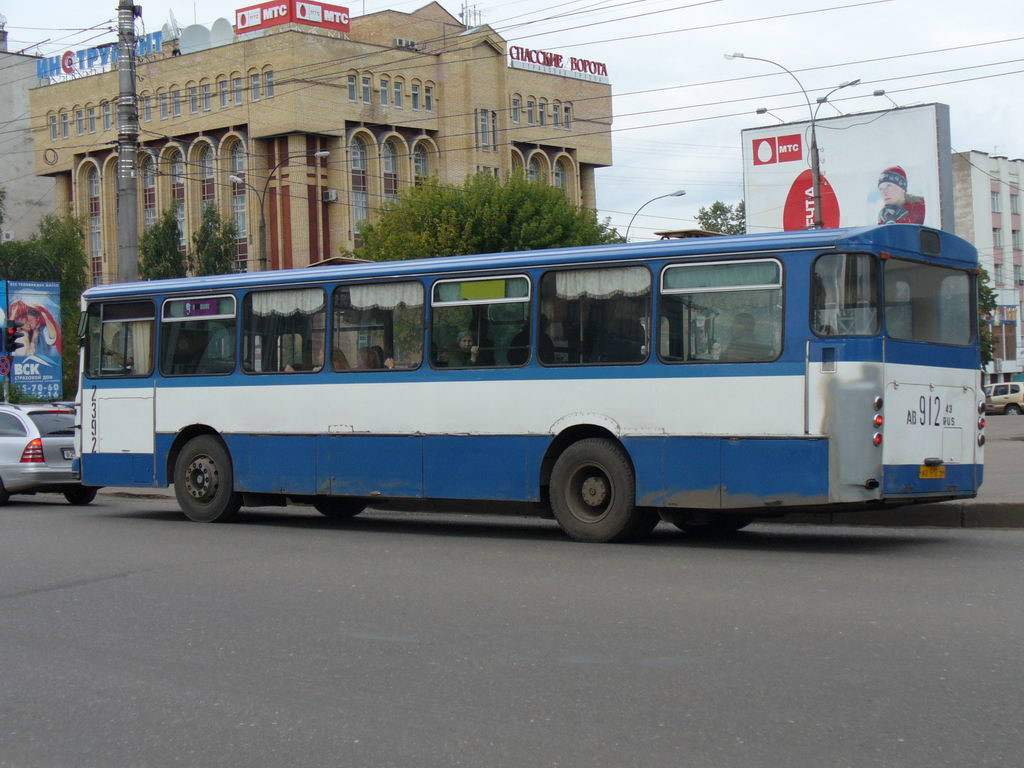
996 203
161 100
389 162
1018 243
398 93
91 117
531 112
421 163
95 227
385 86
222 92
79 122
176 103
207 90
360 190
64 127
1018 276
178 196
567 117
268 84
351 87
236 86
206 191
1014 203
561 181
534 171
415 95
556 115
367 90
147 112
515 109
486 135
254 87
542 112
428 98
997 274
238 208
997 238
53 128
193 99
148 192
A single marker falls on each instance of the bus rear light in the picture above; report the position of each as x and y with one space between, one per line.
876 439
878 420
982 423
981 406
981 440
879 402
33 453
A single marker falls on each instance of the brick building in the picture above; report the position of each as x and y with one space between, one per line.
310 128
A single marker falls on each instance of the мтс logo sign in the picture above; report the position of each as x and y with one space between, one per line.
777 149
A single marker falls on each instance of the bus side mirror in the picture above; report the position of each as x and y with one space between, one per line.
83 323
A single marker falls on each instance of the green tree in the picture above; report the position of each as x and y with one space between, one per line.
213 245
986 312
3 194
723 218
160 253
483 215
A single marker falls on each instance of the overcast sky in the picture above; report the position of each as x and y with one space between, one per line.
687 134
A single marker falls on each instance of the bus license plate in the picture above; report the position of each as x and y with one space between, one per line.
931 473
68 453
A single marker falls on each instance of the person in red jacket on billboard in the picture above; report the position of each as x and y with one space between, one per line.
898 207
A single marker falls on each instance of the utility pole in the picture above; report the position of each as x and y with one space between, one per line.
127 145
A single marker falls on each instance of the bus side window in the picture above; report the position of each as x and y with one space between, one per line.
595 316
283 331
377 327
480 322
844 295
119 339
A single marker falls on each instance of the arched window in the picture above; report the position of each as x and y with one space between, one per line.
421 163
389 163
177 164
238 207
92 185
148 191
535 171
360 191
561 176
206 181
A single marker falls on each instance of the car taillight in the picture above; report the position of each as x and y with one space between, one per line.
33 453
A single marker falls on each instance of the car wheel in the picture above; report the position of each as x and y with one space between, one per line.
204 481
339 509
80 496
593 493
712 527
4 495
1013 410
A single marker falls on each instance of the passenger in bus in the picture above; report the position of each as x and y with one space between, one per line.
371 358
463 354
743 345
338 360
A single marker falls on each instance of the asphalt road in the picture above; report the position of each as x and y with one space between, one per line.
129 637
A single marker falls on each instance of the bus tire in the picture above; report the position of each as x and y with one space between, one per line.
80 496
204 481
339 509
593 493
721 526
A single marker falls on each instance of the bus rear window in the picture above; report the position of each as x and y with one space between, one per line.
844 295
928 303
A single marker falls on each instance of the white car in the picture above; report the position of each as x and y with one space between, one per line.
37 446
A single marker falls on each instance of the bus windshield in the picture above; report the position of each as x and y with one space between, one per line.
927 303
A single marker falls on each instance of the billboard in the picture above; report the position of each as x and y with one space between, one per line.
36 366
883 167
265 15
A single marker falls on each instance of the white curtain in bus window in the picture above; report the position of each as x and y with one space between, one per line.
283 331
378 327
721 312
197 336
844 295
480 323
595 316
119 339
927 303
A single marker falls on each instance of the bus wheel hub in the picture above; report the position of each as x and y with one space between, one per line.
201 479
594 491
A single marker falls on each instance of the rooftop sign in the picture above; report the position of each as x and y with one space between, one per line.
92 61
556 64
265 15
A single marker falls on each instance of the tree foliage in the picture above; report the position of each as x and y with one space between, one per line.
986 314
483 215
723 218
213 245
160 253
3 194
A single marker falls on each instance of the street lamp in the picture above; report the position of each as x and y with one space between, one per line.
819 222
261 196
677 193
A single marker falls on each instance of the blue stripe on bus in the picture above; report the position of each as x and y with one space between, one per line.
904 480
119 469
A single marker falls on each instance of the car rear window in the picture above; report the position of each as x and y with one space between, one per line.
53 422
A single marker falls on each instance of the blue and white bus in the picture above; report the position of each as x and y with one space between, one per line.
705 382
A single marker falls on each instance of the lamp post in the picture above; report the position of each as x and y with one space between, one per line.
677 193
819 222
261 196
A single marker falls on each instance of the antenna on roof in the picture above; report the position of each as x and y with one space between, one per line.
470 16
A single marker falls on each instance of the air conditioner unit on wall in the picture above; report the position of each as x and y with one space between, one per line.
329 195
402 42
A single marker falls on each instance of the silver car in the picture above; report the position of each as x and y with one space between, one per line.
37 445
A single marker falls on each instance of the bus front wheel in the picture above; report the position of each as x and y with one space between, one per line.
593 493
339 509
204 481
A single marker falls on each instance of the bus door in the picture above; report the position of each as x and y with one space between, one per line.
117 395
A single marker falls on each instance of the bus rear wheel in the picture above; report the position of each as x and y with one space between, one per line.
204 481
339 509
593 493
